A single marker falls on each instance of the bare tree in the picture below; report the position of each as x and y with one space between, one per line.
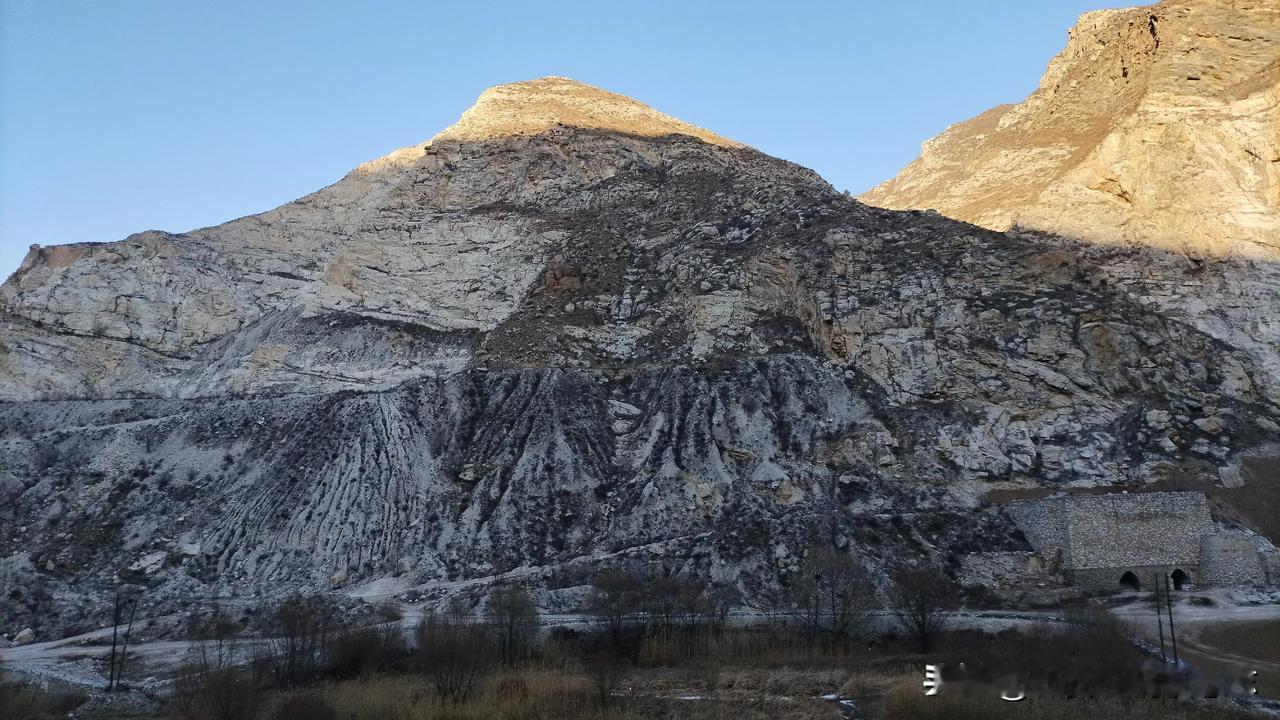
616 597
455 652
805 598
721 600
843 587
214 640
515 622
388 611
302 627
355 650
670 601
921 597
830 593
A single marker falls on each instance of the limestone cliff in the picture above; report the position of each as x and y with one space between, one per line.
571 330
1157 125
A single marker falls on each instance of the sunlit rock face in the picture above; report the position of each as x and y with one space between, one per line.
1157 125
527 348
536 106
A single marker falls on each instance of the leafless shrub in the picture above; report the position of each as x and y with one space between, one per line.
1092 647
219 694
388 611
512 691
616 598
360 650
721 600
214 640
831 593
302 627
670 601
455 652
606 672
27 701
921 597
515 623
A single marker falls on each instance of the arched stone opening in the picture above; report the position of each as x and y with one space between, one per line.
1179 579
1130 581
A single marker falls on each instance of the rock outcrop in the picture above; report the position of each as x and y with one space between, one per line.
529 347
1157 125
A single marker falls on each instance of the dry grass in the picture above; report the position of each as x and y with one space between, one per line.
532 695
752 694
765 646
785 682
26 701
1257 640
766 672
758 709
906 701
868 683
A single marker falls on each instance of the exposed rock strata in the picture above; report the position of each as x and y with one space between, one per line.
526 352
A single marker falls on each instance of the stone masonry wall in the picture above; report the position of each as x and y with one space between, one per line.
1100 537
1231 558
1109 578
1136 530
1044 525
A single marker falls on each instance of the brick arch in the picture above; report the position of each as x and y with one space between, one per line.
1130 580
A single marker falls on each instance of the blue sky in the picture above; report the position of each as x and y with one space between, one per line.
123 116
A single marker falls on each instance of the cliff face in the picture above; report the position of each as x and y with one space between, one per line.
581 331
1157 125
443 240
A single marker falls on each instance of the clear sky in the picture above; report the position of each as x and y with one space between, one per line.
128 115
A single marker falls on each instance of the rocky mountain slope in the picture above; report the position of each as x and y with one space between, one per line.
571 330
1157 125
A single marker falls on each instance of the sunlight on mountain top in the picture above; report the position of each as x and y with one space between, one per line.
534 106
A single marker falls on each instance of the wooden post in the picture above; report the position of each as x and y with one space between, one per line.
1159 621
124 649
1168 604
115 625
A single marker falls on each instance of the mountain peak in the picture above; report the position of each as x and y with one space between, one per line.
534 106
1156 125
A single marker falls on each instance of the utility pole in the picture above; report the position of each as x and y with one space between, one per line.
115 626
1159 621
1168 604
124 649
117 617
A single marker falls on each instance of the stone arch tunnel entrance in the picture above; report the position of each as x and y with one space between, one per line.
1179 579
1130 581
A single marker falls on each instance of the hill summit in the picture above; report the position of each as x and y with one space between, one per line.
533 106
